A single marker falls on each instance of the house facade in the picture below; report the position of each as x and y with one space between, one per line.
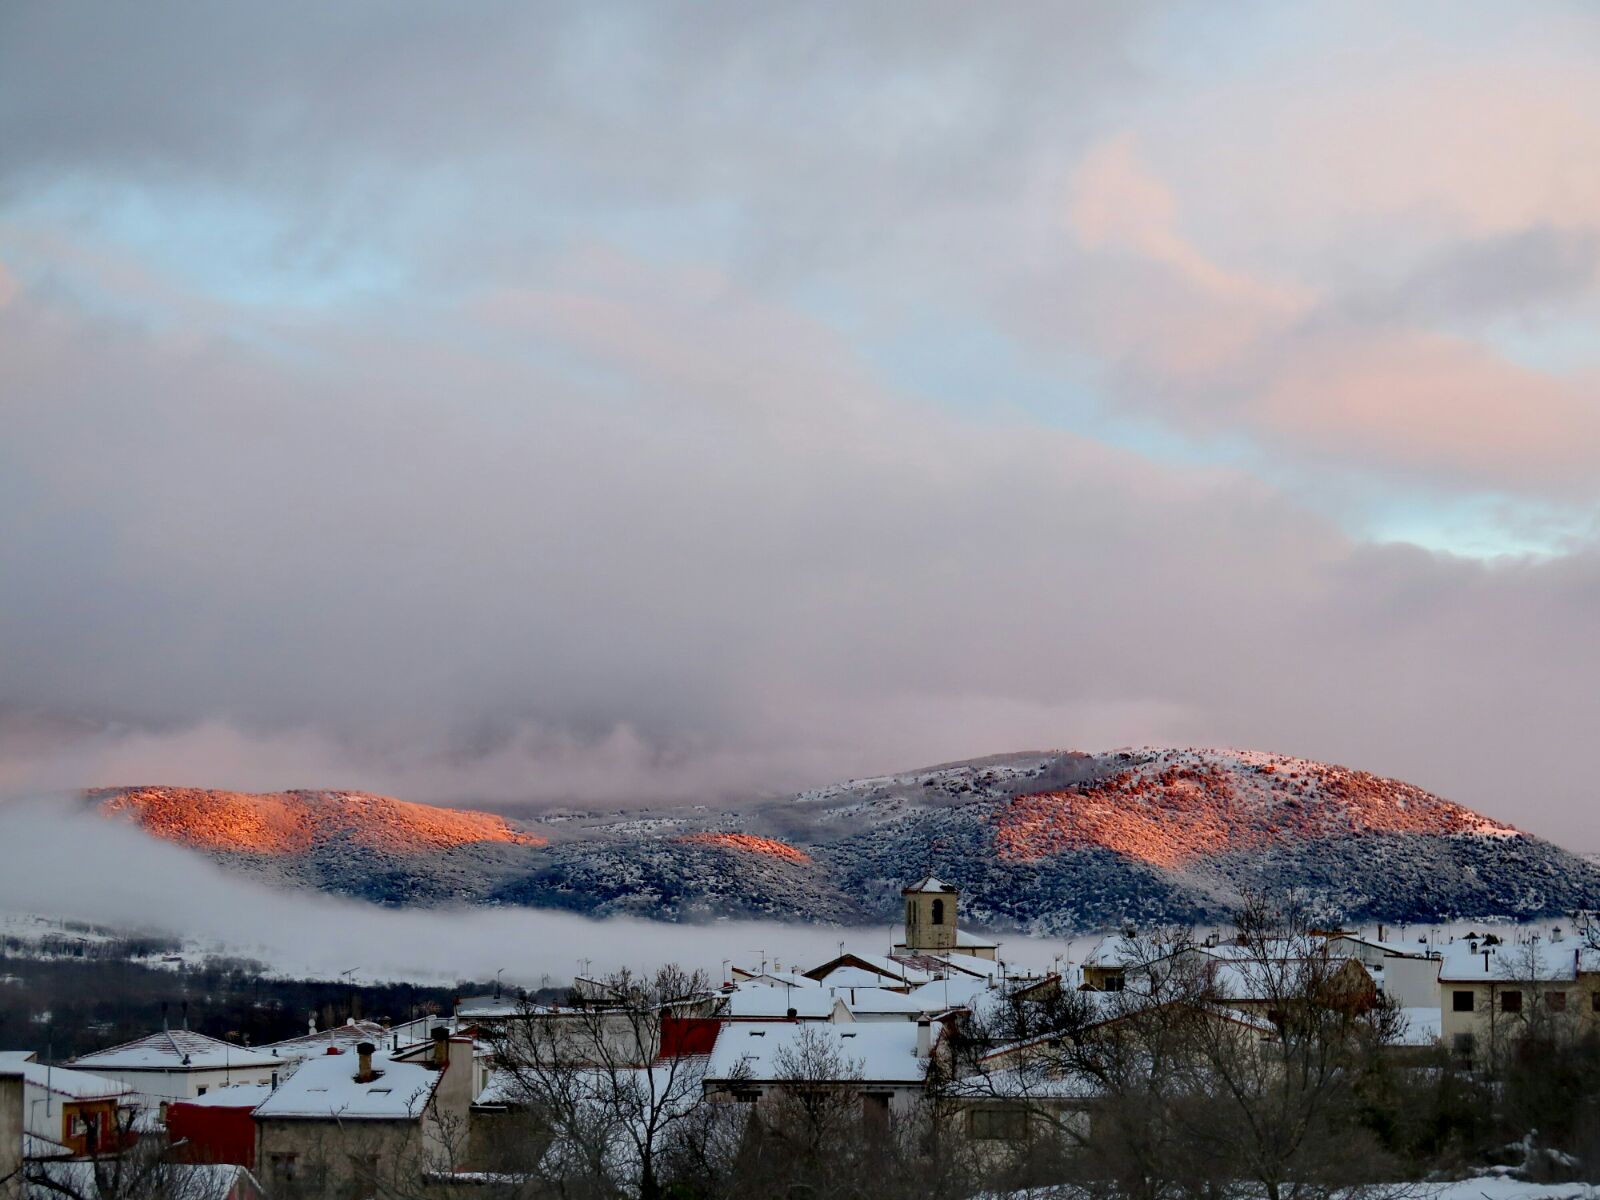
345 1120
1492 992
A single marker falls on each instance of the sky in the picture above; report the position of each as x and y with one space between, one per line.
529 404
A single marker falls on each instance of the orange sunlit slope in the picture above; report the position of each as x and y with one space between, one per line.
289 822
1179 806
749 843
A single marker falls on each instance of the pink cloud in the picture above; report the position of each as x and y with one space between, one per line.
1432 404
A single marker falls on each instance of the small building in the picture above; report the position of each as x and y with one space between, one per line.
68 1113
342 1121
177 1064
884 1063
1492 992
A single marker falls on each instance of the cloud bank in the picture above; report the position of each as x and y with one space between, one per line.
546 405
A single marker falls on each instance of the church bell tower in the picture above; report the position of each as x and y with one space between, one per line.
930 917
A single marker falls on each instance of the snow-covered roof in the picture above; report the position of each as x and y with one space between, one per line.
1544 960
971 964
240 1095
929 884
1388 947
36 1147
492 1007
345 1037
174 1050
950 992
63 1081
775 978
1023 1083
870 964
759 1001
879 1052
326 1087
1423 1026
876 1000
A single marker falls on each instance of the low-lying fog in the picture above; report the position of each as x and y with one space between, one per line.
63 864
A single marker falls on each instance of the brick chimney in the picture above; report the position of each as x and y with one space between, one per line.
441 1048
364 1071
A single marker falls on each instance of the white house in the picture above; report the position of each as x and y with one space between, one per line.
885 1063
177 1064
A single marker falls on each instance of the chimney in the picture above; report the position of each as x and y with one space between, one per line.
441 1048
364 1071
924 1037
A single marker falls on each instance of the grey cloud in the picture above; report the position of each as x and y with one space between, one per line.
517 586
1520 274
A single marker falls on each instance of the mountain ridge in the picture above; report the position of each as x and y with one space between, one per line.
1045 842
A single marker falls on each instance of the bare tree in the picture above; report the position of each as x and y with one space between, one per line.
1277 1046
607 1099
1081 1082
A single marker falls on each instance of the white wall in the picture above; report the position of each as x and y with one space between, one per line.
157 1086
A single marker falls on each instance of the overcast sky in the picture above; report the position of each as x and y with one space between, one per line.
523 404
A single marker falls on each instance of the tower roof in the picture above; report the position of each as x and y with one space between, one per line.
929 884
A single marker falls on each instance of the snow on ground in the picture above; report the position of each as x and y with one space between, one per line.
1479 1187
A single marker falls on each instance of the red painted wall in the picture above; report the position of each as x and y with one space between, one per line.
682 1036
214 1134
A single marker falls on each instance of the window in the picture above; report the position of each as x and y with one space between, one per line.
1594 1002
1460 1001
746 1095
1555 1001
1511 1001
1462 1044
875 1109
938 912
997 1124
201 1090
284 1166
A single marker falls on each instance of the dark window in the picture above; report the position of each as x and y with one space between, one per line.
1594 1001
200 1091
1460 1001
1462 1044
1112 983
1556 1001
1511 1001
746 1095
997 1124
283 1165
938 912
875 1109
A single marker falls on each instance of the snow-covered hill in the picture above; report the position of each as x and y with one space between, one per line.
1050 843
